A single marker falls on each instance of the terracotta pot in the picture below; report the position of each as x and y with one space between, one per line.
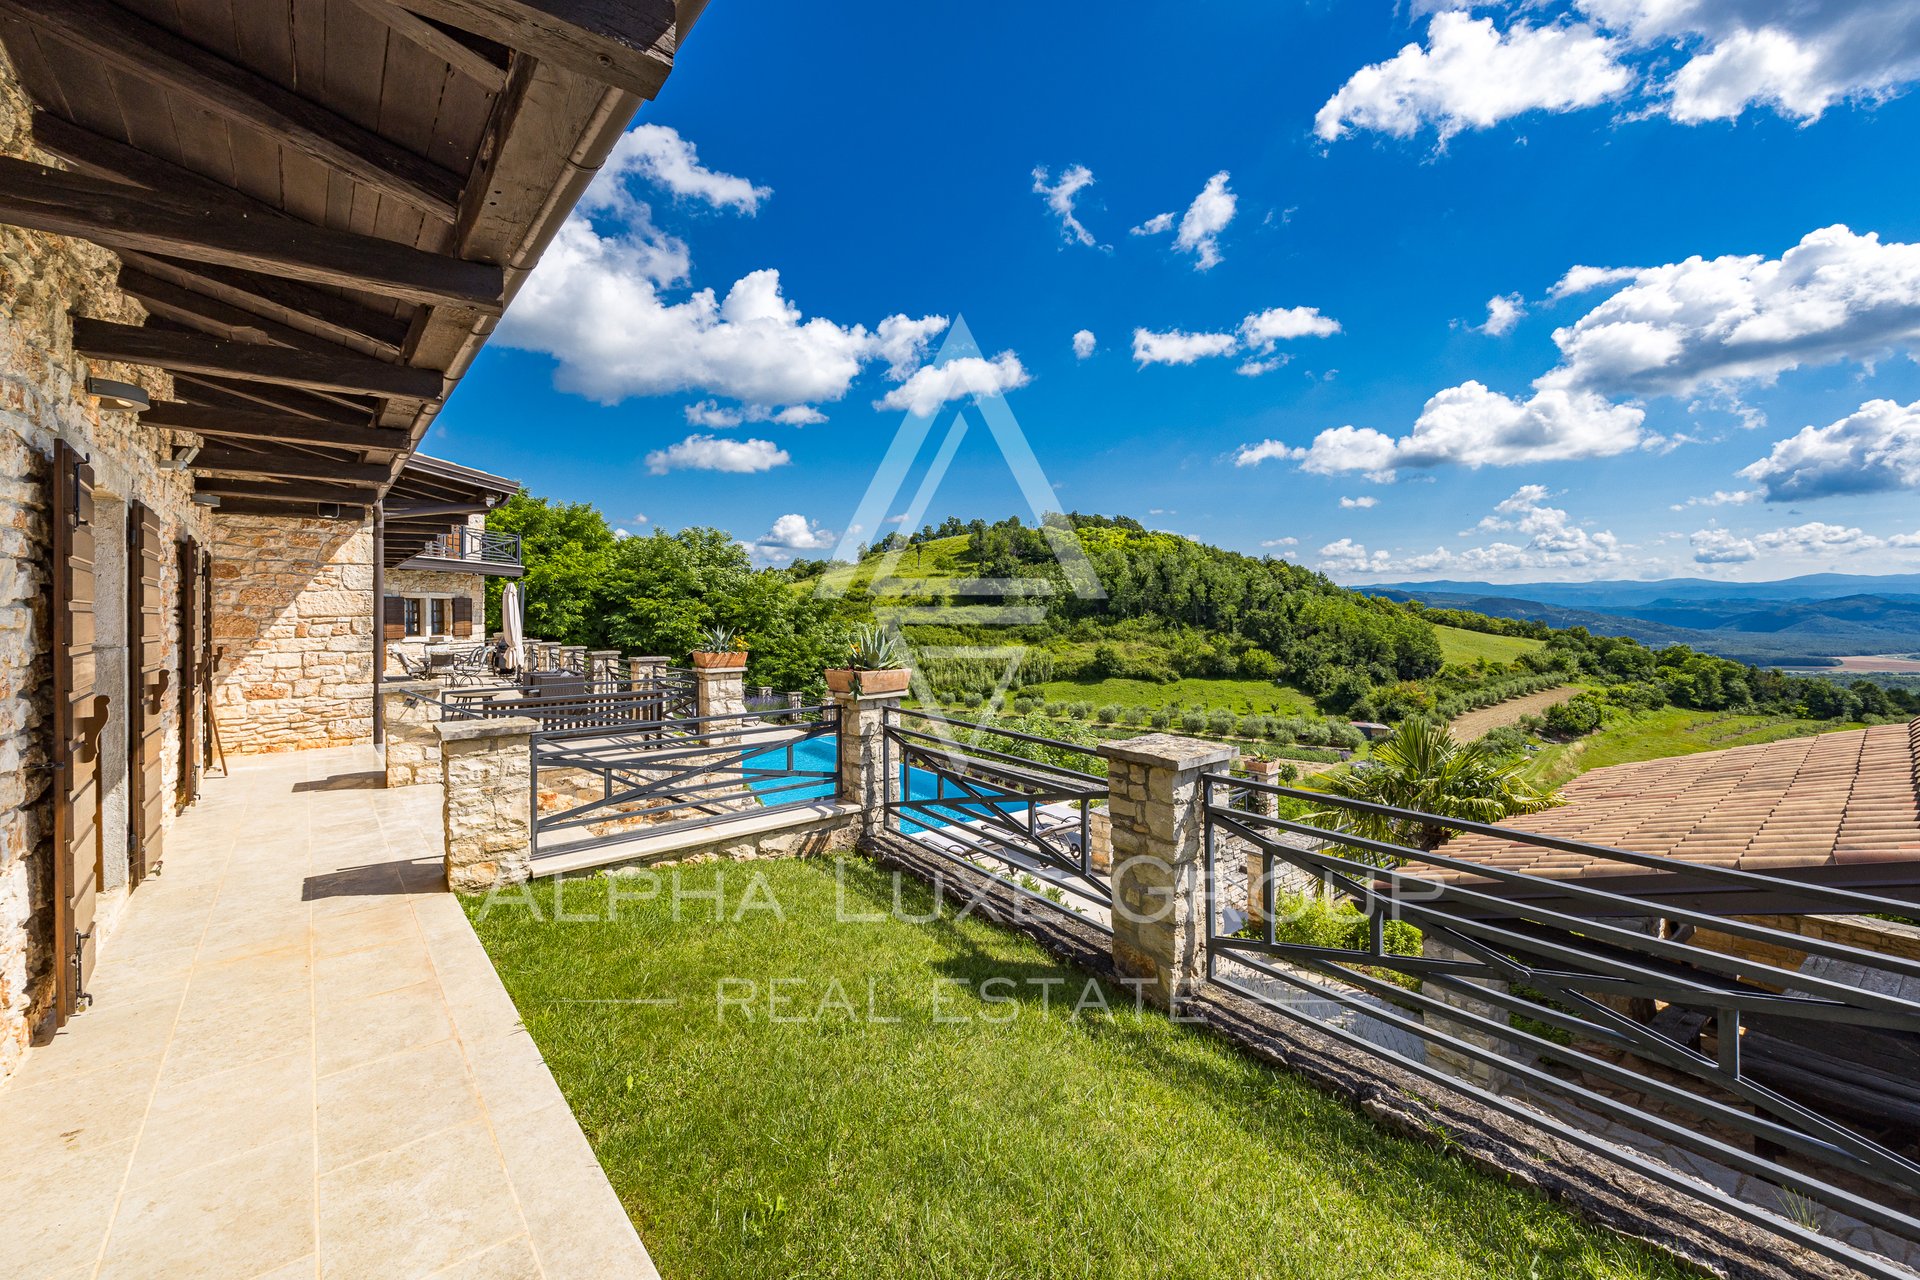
707 660
841 680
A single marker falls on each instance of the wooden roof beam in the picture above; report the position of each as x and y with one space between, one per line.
212 315
121 217
268 491
99 156
277 428
147 51
197 353
342 319
229 393
478 59
240 462
625 43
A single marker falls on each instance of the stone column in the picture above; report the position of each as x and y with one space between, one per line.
1483 1074
603 669
1159 859
412 711
488 812
1261 804
862 763
573 657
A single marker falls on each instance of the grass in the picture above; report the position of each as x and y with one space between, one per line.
1241 696
1670 731
1462 648
974 1135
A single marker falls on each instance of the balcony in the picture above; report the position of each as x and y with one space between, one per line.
469 550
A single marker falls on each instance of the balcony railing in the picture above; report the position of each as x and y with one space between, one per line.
474 546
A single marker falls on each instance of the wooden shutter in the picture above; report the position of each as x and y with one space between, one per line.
196 675
148 678
463 616
393 617
79 717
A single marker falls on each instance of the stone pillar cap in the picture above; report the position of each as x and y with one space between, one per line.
500 727
1168 751
410 686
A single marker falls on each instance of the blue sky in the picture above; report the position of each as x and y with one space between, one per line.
1741 169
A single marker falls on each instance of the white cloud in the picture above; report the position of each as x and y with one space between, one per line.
1202 223
1360 504
1278 324
595 305
1587 279
1814 539
1720 498
1281 542
1552 543
662 156
1178 347
1252 455
1060 196
716 453
1711 321
903 341
712 414
1717 546
1472 75
1083 344
1473 426
1503 313
1875 449
1158 225
936 384
794 532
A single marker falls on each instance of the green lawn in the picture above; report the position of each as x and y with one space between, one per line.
965 1136
1465 647
1240 696
1670 731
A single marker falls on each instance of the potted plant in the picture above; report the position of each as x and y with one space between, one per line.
720 650
876 663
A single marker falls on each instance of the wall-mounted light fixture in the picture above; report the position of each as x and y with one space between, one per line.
206 499
127 397
181 457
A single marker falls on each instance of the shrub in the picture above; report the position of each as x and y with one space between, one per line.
1161 718
1079 710
1193 721
1056 708
1107 713
1576 716
1137 715
1221 722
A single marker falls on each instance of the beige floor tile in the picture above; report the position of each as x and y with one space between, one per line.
74 1113
57 1212
217 1117
386 1104
238 1219
222 1037
111 1034
363 1030
416 1210
512 1260
511 1075
578 1226
387 923
355 975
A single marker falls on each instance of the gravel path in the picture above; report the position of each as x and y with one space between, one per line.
1476 723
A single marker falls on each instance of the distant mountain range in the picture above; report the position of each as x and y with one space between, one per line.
1814 616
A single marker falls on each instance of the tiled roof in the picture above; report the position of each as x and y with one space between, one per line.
1835 799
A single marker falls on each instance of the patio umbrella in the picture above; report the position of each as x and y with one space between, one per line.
510 625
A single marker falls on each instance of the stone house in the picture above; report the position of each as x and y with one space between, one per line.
240 273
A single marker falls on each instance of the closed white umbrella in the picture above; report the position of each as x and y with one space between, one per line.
510 626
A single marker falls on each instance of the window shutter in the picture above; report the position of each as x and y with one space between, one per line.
463 616
394 617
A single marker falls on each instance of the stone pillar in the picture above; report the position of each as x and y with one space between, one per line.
1100 837
1449 1060
573 657
1159 859
862 763
412 711
488 812
720 692
603 670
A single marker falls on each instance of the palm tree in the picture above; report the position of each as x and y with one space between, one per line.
1422 768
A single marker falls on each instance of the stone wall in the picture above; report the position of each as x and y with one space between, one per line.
434 582
44 280
293 609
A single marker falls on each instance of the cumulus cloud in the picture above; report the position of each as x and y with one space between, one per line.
1712 321
1546 540
936 384
714 415
1503 313
1201 225
794 532
1281 542
1179 347
1471 75
660 155
1083 344
1719 498
1873 450
1360 504
1470 425
717 453
1060 195
1257 334
1802 541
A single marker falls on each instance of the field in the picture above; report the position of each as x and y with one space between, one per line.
866 1086
1670 731
1242 696
1461 648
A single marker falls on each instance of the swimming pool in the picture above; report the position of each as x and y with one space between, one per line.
822 755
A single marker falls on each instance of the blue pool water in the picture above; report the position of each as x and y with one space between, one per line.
823 754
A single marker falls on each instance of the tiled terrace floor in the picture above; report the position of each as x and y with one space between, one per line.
300 1063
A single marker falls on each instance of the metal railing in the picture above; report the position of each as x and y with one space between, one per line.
1587 1001
475 546
1027 823
653 776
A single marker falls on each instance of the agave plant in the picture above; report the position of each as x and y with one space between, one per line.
1421 767
874 648
719 638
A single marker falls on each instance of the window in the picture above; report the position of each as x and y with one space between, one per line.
440 614
429 617
411 624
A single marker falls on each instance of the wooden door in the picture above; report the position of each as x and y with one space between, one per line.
148 677
196 669
79 717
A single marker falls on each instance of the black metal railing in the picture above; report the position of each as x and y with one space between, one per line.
474 546
1028 823
594 783
1587 1000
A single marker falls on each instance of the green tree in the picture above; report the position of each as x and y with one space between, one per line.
1421 767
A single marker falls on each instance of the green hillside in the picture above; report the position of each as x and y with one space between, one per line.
1463 648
